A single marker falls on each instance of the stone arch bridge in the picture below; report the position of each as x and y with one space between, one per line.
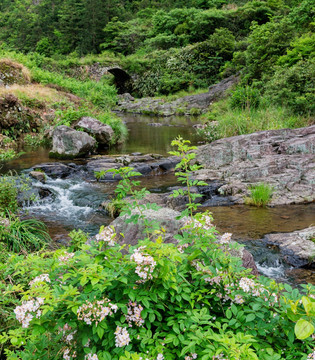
123 80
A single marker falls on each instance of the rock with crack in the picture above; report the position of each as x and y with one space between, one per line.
282 158
103 133
69 143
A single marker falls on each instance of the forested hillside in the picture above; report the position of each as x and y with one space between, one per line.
177 45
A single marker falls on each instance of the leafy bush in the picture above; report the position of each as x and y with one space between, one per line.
8 154
294 87
260 195
302 48
266 44
8 194
155 300
245 97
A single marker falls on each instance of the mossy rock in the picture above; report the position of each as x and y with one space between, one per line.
13 73
15 119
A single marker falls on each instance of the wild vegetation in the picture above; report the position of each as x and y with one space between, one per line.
99 299
159 300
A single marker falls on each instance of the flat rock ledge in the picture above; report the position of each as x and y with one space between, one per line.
297 247
282 158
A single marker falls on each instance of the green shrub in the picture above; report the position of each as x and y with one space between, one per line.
245 97
294 87
78 238
8 194
8 154
260 195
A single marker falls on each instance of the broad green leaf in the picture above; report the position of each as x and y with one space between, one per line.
303 329
250 317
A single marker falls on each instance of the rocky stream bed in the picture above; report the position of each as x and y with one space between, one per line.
71 196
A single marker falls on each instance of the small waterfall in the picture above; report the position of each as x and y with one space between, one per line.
276 272
72 203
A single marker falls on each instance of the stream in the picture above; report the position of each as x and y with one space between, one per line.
75 202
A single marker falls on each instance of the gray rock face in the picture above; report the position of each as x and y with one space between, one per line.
166 217
145 164
298 247
69 143
103 133
56 170
282 158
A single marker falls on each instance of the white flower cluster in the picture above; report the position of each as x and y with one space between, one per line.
106 234
225 238
145 264
191 356
39 278
67 335
160 357
66 257
96 311
121 337
213 280
134 314
239 299
67 355
24 312
220 357
249 286
205 222
181 248
91 357
311 356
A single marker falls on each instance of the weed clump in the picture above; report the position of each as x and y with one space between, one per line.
260 195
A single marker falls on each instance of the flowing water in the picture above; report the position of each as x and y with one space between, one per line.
75 203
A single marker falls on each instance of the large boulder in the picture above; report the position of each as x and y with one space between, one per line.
69 143
103 133
167 219
282 158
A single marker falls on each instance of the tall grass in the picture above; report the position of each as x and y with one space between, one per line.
232 122
23 235
99 93
260 195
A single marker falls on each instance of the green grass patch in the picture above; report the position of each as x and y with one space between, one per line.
260 195
23 235
232 122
